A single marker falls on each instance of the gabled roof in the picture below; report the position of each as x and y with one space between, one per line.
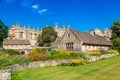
16 42
91 39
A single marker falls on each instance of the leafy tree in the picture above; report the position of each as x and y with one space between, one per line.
3 32
116 44
116 35
48 36
115 30
39 40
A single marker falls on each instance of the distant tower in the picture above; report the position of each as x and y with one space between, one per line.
56 25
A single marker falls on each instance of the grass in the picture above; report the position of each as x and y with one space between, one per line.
108 69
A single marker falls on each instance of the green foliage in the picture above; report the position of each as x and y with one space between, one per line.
20 60
116 44
39 50
116 35
12 52
4 61
85 56
48 35
64 54
3 32
115 30
74 63
15 76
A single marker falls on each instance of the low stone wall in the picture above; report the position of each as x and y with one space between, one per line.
95 58
36 64
6 74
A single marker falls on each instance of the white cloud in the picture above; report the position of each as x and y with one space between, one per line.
42 11
35 6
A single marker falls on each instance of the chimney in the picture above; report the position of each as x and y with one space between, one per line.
92 32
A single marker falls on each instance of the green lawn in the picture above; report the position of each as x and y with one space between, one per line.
108 69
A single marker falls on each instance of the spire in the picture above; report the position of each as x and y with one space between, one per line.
56 25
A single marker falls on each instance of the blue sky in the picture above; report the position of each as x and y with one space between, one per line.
81 15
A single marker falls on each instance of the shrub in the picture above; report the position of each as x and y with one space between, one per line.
20 60
65 52
5 62
74 53
65 64
95 53
12 52
75 62
54 52
37 57
38 50
78 62
84 56
113 52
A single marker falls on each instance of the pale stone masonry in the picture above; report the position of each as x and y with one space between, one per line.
25 39
75 40
66 39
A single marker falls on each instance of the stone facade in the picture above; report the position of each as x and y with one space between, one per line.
16 32
18 37
105 33
60 31
75 40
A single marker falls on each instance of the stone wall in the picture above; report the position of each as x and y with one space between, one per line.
6 74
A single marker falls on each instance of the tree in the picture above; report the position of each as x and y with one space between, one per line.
48 35
3 32
115 39
115 30
116 44
39 40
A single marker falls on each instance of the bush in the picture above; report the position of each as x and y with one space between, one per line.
64 52
85 56
37 57
20 60
12 52
74 63
15 76
116 44
95 53
78 62
5 62
38 50
54 52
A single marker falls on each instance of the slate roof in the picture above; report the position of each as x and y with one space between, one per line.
16 42
91 39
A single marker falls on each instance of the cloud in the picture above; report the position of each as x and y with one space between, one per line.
35 6
42 11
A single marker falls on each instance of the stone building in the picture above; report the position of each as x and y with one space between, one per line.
105 33
20 45
60 31
17 32
25 38
75 40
